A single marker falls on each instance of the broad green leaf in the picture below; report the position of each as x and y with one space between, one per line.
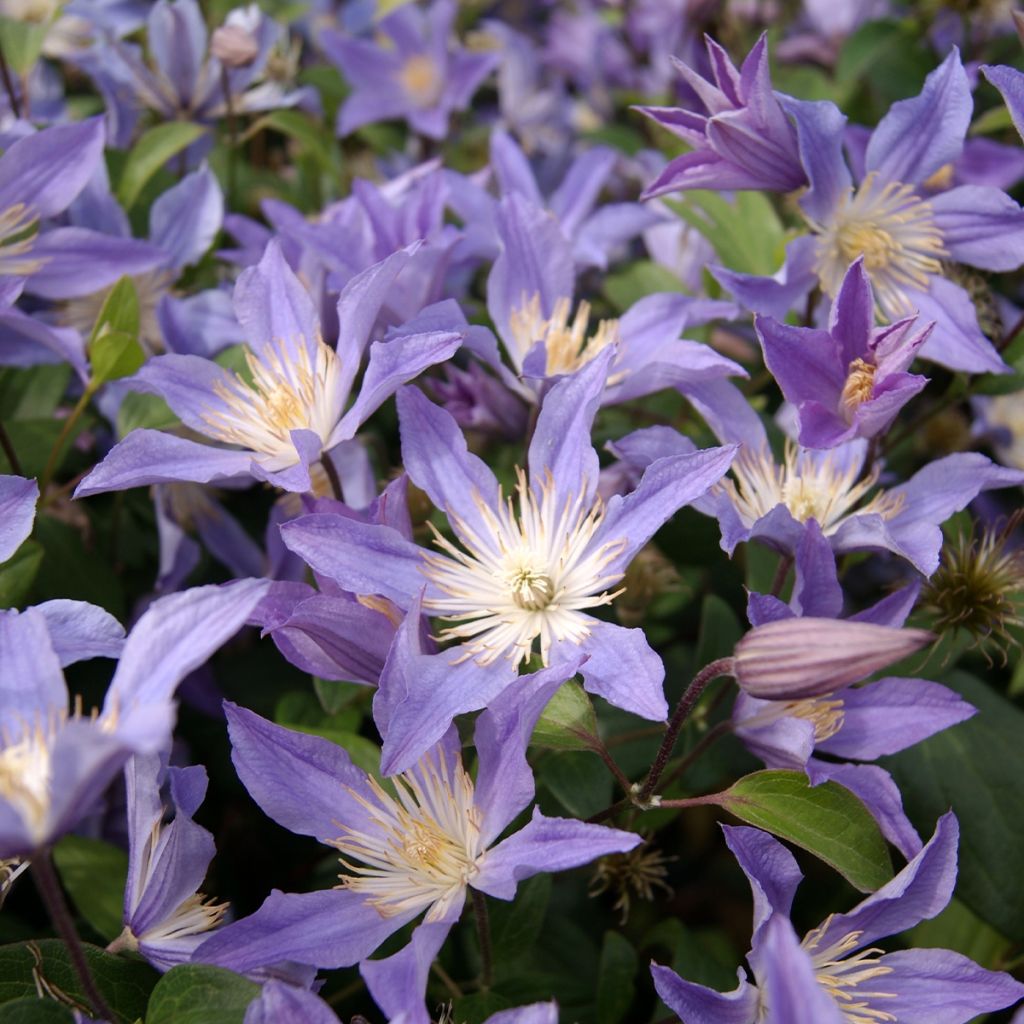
958 928
32 392
33 440
124 983
200 994
94 874
615 987
516 925
568 713
579 781
477 1007
826 820
35 1011
114 355
335 696
22 41
309 135
625 287
119 312
139 410
975 768
156 146
73 569
720 631
18 574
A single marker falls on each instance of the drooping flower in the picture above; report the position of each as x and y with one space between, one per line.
413 852
851 380
524 570
745 141
290 412
54 761
421 75
903 234
834 975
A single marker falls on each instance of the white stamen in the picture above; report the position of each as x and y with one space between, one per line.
894 230
19 226
287 393
424 844
528 577
818 488
25 775
568 347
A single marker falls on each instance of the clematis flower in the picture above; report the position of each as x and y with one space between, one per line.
745 141
55 762
903 234
523 571
18 498
422 76
165 916
851 724
292 414
851 380
1010 83
833 975
412 853
773 501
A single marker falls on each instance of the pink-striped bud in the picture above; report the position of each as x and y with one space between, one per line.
808 657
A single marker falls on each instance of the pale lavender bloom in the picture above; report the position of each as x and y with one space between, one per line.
310 786
40 175
831 976
773 502
165 916
854 723
850 380
293 414
525 569
18 498
745 141
424 76
55 762
1010 83
903 233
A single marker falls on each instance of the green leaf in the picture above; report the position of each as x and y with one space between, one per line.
335 696
579 781
476 1008
615 988
18 574
199 994
119 312
124 983
94 874
22 42
995 120
826 820
71 569
32 392
568 713
139 410
114 355
156 146
746 232
35 1011
625 287
515 926
975 768
720 631
307 133
959 929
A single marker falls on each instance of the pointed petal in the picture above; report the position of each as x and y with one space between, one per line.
18 498
623 669
981 226
788 980
696 1004
79 630
770 868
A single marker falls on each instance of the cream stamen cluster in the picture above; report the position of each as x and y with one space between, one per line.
568 347
18 230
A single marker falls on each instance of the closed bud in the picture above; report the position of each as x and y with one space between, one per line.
233 46
810 657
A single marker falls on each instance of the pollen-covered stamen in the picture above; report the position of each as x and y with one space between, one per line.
527 578
423 845
567 345
860 382
842 975
19 226
288 392
422 80
26 772
819 488
826 714
894 230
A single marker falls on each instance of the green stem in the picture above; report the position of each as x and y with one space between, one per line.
53 460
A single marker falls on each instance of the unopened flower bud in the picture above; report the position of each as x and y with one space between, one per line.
809 657
233 46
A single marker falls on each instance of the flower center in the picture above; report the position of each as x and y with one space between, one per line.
421 79
527 575
894 230
25 775
860 381
18 229
288 392
423 845
839 975
810 485
566 344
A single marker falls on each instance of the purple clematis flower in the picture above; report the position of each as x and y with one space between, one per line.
903 234
525 569
831 976
293 413
855 723
423 76
851 380
55 763
280 1003
18 498
745 141
41 174
165 916
448 828
773 502
1010 83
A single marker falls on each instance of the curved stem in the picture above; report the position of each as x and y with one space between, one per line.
781 575
49 889
483 928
